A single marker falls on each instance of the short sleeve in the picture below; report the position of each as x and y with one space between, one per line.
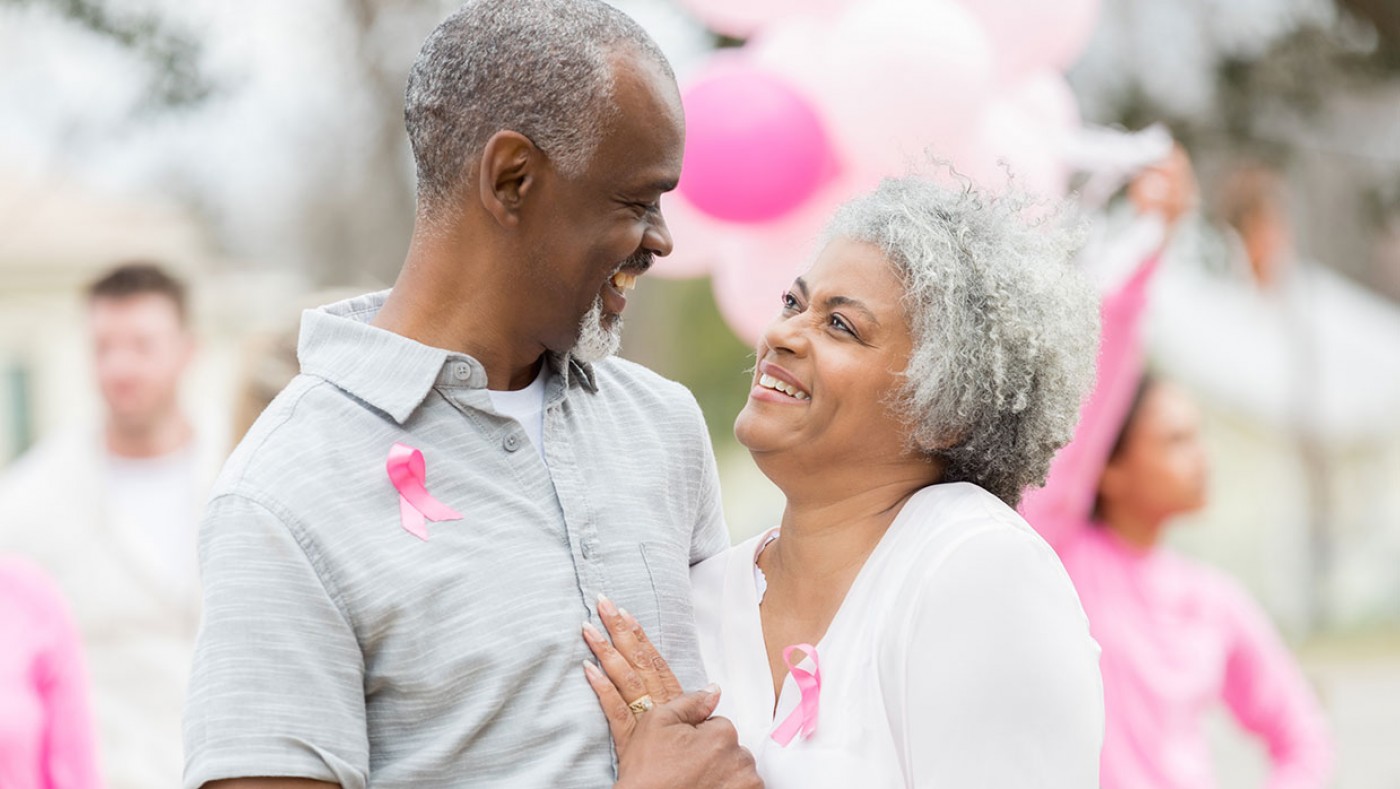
994 680
277 687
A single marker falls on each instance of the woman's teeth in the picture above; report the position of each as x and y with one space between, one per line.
769 382
624 281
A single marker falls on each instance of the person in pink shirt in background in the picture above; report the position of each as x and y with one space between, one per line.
1177 636
46 728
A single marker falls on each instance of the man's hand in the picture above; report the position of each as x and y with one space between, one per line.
678 744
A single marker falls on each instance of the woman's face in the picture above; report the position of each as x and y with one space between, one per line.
1161 469
827 364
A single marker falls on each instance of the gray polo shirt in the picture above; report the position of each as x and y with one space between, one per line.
335 645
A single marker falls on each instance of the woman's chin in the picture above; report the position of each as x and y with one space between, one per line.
759 432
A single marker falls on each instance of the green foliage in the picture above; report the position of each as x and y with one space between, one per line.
679 333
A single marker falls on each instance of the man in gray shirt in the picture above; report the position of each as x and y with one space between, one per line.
398 557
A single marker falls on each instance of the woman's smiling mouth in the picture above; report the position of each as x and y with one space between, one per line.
775 384
769 382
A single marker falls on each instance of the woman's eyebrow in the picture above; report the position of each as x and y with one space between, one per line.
856 304
839 301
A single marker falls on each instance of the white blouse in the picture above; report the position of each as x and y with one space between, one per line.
960 658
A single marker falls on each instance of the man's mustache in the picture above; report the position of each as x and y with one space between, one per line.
639 261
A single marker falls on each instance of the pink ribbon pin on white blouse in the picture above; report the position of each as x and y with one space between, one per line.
416 505
804 718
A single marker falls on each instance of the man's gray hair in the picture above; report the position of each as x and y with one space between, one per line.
1005 328
537 67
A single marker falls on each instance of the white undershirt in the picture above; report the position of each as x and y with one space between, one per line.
525 406
153 500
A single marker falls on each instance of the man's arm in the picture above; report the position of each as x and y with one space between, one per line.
277 686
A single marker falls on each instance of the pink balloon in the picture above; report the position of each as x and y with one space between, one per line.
755 149
1034 34
743 18
1047 97
902 76
748 297
1008 138
699 241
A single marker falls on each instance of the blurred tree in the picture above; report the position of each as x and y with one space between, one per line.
1384 14
171 52
354 222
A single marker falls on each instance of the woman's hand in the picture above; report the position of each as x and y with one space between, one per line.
635 671
674 740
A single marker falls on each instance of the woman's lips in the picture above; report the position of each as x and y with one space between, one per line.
776 385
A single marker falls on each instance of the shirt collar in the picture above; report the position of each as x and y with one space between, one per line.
389 371
571 370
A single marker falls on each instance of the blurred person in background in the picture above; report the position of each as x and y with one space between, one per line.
46 730
111 512
1297 363
1177 636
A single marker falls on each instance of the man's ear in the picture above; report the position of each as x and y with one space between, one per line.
509 168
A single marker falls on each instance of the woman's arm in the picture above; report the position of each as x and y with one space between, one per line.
1161 195
993 681
674 741
1268 694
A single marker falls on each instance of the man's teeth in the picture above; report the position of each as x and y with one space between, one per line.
769 382
624 281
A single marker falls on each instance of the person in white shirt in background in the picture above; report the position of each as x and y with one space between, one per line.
111 512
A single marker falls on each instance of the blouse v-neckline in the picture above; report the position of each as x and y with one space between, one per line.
750 637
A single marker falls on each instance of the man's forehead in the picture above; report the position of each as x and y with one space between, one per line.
643 142
646 93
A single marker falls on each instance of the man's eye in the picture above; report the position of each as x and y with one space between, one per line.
789 301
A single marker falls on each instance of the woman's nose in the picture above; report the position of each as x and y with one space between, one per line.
787 332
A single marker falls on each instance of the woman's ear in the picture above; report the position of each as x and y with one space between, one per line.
507 174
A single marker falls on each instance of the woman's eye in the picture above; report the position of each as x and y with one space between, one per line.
789 301
840 324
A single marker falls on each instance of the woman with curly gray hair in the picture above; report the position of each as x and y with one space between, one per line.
904 626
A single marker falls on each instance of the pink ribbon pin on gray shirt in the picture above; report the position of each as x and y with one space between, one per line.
416 505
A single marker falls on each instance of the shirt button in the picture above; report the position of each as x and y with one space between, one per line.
588 549
512 442
462 371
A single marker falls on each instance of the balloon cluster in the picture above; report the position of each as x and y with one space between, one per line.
828 96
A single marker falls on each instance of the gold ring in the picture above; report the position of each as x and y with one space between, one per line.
643 704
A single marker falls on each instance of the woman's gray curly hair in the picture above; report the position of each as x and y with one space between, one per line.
1005 328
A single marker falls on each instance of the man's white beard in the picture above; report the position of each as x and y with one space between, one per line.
597 342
